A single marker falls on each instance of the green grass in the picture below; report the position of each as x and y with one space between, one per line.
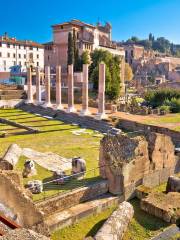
56 137
86 227
170 119
143 226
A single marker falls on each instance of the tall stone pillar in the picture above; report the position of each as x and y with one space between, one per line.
58 88
101 92
38 86
85 99
29 86
122 75
47 87
70 90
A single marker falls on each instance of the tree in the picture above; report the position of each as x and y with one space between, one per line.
112 87
85 58
70 49
128 73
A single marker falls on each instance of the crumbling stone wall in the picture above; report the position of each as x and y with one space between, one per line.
128 162
15 197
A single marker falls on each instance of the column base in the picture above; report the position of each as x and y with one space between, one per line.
71 110
46 105
37 102
28 101
101 116
59 107
85 112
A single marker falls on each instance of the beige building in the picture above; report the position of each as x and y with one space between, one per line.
89 37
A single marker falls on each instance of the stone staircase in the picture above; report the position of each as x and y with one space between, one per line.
70 118
67 217
8 94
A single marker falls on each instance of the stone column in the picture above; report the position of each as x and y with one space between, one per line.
101 92
70 90
47 87
85 99
38 86
29 86
58 88
122 75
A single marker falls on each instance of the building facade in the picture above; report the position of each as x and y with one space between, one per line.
89 37
15 52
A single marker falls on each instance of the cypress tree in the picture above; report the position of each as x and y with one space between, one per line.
70 49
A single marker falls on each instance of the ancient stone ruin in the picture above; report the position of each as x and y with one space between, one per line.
128 162
117 224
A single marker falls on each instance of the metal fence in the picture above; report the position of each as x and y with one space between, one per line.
53 187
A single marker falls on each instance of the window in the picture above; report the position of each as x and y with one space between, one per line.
30 48
37 49
132 53
37 55
19 55
13 45
19 46
8 45
62 27
25 56
24 47
14 63
20 63
25 63
0 54
8 55
14 55
48 57
0 44
37 64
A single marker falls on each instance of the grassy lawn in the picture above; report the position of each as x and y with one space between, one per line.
142 226
86 227
171 121
56 137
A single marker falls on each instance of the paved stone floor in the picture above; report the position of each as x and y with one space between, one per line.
168 233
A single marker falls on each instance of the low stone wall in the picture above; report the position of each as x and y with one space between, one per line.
117 223
164 206
11 103
135 126
18 125
70 199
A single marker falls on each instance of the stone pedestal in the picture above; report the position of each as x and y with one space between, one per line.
101 94
85 99
29 85
38 86
58 88
47 87
70 90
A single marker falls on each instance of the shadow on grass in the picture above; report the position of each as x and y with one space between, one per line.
69 184
95 228
146 220
48 125
25 117
13 115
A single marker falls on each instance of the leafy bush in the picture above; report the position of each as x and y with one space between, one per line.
165 108
166 97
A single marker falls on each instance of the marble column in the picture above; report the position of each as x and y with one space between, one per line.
29 86
122 75
101 92
85 99
70 90
47 87
58 88
38 86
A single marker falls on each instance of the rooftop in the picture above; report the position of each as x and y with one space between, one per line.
12 40
75 22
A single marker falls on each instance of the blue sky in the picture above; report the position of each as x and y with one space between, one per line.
33 19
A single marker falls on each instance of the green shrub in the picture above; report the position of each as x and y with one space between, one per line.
165 108
175 105
163 97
